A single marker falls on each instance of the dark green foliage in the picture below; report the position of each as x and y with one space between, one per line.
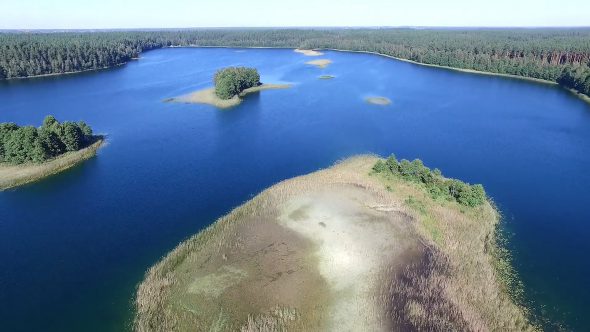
435 183
20 145
537 53
72 136
232 81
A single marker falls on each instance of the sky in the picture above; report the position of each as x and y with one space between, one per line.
108 14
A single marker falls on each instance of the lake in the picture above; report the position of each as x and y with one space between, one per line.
73 247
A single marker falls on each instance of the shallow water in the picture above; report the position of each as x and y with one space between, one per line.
73 247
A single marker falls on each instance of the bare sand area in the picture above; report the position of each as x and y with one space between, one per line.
16 175
341 249
320 63
309 52
208 96
382 101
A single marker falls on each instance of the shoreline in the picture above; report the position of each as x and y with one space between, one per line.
464 70
336 249
17 175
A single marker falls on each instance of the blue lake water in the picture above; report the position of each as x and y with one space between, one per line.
74 247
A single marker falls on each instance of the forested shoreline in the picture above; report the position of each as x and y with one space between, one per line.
558 55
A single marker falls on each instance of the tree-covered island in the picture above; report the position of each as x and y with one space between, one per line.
231 85
232 81
28 153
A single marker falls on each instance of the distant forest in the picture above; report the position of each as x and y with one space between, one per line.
558 55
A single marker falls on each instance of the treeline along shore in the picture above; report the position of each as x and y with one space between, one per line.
556 55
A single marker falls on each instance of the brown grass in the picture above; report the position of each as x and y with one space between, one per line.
17 175
447 282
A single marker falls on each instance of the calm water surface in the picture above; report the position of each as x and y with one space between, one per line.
74 247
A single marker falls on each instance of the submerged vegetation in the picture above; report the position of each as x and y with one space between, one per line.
19 145
232 81
558 55
433 181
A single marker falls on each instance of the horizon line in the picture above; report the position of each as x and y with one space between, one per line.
303 27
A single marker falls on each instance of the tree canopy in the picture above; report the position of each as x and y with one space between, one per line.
27 144
232 81
438 186
560 54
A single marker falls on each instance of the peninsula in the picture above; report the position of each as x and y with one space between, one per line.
368 244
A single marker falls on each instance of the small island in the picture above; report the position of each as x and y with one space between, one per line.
231 86
320 63
326 77
28 154
366 245
309 52
381 101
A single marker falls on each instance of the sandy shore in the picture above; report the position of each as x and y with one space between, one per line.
320 63
336 250
13 176
309 52
208 96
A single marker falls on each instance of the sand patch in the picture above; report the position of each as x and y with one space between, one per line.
354 244
320 63
309 52
381 101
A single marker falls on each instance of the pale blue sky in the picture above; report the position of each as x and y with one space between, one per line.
69 14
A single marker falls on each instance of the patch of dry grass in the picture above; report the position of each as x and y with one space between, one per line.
456 285
208 96
17 175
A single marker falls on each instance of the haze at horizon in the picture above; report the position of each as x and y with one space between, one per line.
134 14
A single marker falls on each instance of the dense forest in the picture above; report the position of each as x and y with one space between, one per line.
559 55
232 81
19 145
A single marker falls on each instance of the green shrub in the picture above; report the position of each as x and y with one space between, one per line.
231 81
433 181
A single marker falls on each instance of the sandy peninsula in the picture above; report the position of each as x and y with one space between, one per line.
341 249
320 63
16 175
208 96
382 101
309 52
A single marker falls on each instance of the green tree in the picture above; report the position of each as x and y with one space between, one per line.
72 136
231 81
22 145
